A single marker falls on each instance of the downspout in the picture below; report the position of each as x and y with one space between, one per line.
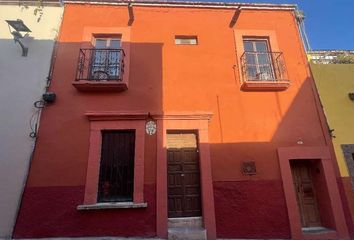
300 19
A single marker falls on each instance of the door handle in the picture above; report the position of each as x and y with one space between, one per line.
182 174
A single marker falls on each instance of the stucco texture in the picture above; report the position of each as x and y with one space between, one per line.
334 82
164 77
23 80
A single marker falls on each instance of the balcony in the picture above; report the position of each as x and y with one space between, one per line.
100 70
263 71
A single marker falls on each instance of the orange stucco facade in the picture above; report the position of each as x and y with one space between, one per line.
182 87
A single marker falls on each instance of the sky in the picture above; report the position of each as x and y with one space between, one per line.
329 23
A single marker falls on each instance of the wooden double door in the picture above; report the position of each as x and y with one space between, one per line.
183 175
303 177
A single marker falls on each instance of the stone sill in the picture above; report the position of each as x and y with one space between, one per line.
100 86
98 206
252 85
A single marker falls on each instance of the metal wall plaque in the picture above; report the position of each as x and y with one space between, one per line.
249 168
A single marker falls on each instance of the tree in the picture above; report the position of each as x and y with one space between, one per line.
344 59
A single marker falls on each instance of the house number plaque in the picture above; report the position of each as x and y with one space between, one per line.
150 127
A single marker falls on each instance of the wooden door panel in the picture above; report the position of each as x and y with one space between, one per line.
305 193
183 177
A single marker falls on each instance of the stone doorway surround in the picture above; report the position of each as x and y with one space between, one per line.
286 154
197 121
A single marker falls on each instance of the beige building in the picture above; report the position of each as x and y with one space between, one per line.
23 81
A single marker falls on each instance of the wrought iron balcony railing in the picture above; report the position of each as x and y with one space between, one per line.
100 65
263 66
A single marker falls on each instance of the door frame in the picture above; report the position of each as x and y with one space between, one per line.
185 121
198 161
285 154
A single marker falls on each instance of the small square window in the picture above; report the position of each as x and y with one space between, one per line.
186 40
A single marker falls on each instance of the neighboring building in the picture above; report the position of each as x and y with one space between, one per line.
330 56
182 120
23 80
335 84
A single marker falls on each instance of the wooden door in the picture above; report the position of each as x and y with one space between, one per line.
305 193
116 179
183 176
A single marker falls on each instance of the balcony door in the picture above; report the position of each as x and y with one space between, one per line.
258 59
106 59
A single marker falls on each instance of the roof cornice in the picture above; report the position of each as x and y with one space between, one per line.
159 3
189 4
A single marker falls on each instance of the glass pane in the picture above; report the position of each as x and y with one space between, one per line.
100 43
265 72
248 46
263 58
252 72
113 63
192 40
261 46
115 43
251 58
99 56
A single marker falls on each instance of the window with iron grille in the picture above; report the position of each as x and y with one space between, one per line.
103 62
258 59
116 178
106 58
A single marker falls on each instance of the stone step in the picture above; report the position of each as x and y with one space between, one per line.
194 233
188 222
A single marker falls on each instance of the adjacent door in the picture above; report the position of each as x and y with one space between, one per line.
305 193
183 175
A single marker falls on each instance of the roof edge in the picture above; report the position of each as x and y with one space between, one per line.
55 3
159 3
189 4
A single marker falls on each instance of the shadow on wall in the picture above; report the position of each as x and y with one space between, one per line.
58 172
23 82
245 207
254 206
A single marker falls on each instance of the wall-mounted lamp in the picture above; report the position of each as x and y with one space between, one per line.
150 125
351 96
19 27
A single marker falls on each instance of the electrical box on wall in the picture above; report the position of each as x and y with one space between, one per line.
49 97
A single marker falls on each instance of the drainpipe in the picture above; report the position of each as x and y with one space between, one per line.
300 19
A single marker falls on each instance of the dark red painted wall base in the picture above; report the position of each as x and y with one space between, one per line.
251 209
347 195
51 212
